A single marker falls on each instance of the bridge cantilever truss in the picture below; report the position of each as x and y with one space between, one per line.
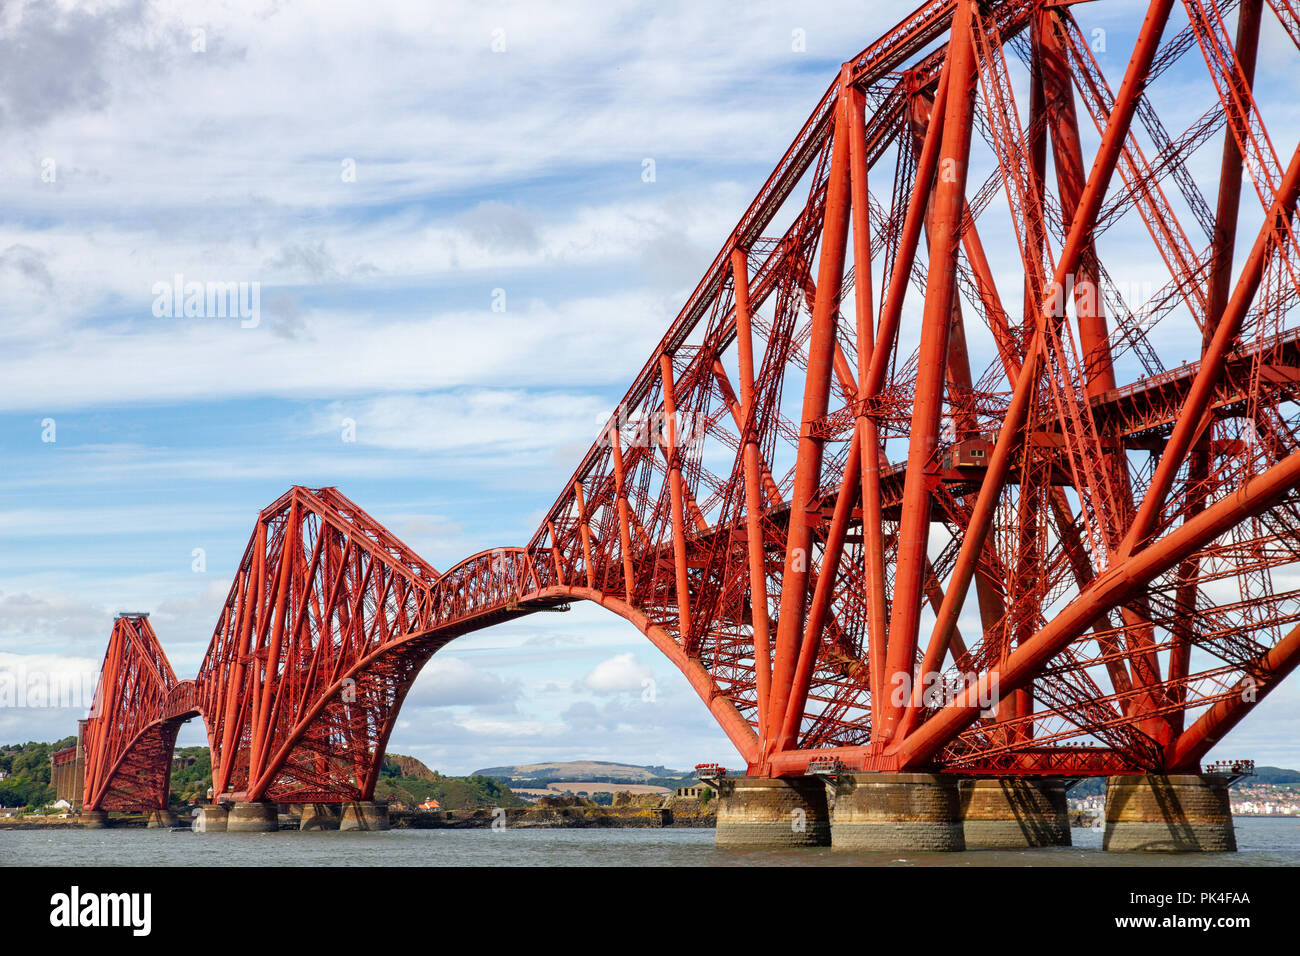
856 543
138 709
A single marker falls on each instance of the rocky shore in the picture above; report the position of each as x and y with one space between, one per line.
648 811
628 811
1085 818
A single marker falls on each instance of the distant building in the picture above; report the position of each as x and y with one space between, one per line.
68 769
693 792
430 804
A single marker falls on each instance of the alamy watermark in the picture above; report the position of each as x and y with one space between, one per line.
179 299
21 687
639 430
74 909
935 691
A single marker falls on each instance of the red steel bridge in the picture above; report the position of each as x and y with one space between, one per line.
913 481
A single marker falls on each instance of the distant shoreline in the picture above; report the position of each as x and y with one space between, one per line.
520 818
559 818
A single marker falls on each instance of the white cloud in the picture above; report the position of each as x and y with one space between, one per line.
464 421
27 615
449 681
207 359
623 673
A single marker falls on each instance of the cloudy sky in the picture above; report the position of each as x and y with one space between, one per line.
385 172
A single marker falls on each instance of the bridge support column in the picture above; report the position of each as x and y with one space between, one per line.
897 811
93 819
320 816
772 811
364 815
1171 813
161 820
1011 813
248 817
214 818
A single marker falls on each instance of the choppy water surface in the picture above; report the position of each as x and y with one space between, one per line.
1261 842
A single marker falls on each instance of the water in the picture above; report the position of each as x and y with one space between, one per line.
1261 842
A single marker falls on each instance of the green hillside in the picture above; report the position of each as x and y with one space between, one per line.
593 771
27 772
26 782
408 781
1272 775
191 774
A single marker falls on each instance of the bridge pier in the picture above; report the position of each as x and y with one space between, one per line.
364 815
93 819
160 820
1176 813
897 811
214 818
772 811
253 817
320 816
1014 812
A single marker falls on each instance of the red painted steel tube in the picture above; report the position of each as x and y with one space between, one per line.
867 434
815 399
1067 150
675 490
271 678
753 499
914 529
891 308
555 552
624 524
821 601
585 530
237 683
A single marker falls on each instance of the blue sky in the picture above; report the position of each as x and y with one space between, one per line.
475 170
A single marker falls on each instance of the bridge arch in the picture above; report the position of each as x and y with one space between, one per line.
324 756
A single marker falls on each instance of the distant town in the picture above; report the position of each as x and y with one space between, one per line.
1270 792
596 780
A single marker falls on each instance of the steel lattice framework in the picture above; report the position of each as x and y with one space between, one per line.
855 542
138 709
